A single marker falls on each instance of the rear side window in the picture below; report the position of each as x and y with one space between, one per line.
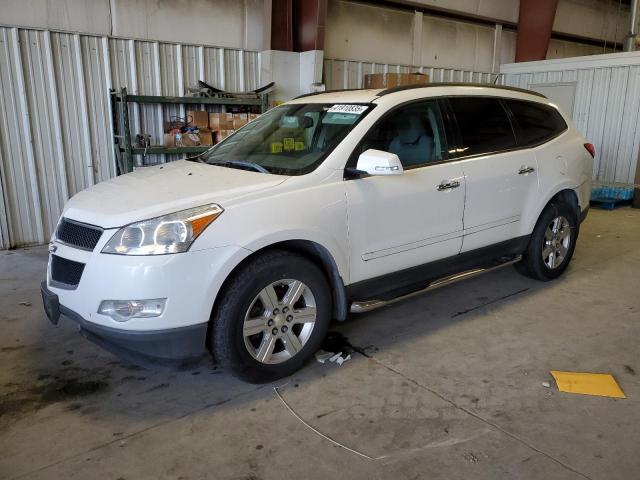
484 125
537 122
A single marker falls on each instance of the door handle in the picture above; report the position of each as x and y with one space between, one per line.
448 185
524 170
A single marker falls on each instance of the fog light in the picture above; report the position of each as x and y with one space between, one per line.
123 310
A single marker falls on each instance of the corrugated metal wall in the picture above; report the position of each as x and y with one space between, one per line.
55 130
606 111
341 74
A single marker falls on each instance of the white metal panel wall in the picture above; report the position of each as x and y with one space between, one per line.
341 74
55 129
606 108
20 187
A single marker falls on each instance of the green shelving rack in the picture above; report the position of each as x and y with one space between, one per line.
125 151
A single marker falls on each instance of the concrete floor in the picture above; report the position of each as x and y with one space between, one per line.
452 388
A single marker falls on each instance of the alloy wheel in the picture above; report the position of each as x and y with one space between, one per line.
279 321
557 239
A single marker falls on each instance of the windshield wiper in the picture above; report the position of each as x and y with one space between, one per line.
240 164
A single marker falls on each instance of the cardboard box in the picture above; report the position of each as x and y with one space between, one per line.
190 140
169 140
220 121
240 120
198 118
206 137
390 80
222 134
253 116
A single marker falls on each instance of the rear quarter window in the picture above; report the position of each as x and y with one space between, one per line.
536 122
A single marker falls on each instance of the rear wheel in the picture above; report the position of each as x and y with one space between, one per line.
271 318
552 243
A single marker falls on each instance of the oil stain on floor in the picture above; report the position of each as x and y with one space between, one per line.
69 384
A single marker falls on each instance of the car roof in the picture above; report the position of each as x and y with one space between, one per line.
436 88
340 96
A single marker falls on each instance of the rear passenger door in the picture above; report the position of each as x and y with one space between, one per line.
500 178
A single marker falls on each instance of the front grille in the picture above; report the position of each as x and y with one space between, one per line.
66 271
78 235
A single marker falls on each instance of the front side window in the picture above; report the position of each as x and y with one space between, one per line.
288 140
537 122
413 132
484 125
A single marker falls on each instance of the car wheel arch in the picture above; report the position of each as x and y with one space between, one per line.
563 193
311 250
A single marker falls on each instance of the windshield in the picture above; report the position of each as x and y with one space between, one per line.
288 140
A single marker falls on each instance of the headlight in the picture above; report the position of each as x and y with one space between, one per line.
173 233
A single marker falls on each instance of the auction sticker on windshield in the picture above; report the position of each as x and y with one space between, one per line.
355 109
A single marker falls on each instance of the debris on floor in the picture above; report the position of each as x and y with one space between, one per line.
546 384
471 458
339 358
322 356
599 384
336 349
25 304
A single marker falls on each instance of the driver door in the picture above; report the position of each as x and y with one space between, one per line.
402 221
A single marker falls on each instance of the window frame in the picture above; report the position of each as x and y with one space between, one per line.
352 161
452 130
459 137
519 128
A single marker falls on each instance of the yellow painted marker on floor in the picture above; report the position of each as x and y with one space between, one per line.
600 384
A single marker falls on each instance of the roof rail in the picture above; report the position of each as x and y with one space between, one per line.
427 85
457 84
328 91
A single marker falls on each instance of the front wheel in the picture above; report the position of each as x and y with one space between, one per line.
551 244
271 318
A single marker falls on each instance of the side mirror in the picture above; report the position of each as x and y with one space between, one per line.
377 162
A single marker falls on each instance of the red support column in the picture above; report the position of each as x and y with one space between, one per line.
309 24
298 25
535 23
282 25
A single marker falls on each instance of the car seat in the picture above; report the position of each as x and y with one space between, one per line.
412 144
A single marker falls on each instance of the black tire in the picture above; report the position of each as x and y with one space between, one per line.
227 342
532 264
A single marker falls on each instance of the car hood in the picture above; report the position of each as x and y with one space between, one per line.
153 191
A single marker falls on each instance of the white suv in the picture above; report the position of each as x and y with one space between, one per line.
331 203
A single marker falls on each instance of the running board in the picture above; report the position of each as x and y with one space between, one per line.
368 305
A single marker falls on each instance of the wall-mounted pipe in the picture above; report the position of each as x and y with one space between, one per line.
631 40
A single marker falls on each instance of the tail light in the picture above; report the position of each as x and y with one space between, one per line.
591 149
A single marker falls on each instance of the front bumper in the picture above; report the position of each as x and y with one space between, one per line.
171 347
189 281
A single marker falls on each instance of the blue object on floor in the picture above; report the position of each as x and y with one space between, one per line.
611 195
608 203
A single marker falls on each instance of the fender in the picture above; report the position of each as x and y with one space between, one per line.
531 216
332 257
315 236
